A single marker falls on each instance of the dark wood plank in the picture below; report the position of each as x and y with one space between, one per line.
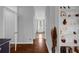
22 48
40 46
36 47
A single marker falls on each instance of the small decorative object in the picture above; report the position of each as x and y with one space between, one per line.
63 49
60 7
68 7
64 22
77 15
75 41
76 49
63 40
74 33
69 50
69 15
64 7
62 13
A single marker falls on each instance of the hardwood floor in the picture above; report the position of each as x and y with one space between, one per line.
36 47
22 48
40 46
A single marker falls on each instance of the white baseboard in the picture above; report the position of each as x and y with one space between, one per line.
22 42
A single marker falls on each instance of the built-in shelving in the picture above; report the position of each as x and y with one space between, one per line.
69 26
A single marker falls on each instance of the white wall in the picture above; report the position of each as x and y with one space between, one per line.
25 24
50 22
40 12
9 22
1 22
39 19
